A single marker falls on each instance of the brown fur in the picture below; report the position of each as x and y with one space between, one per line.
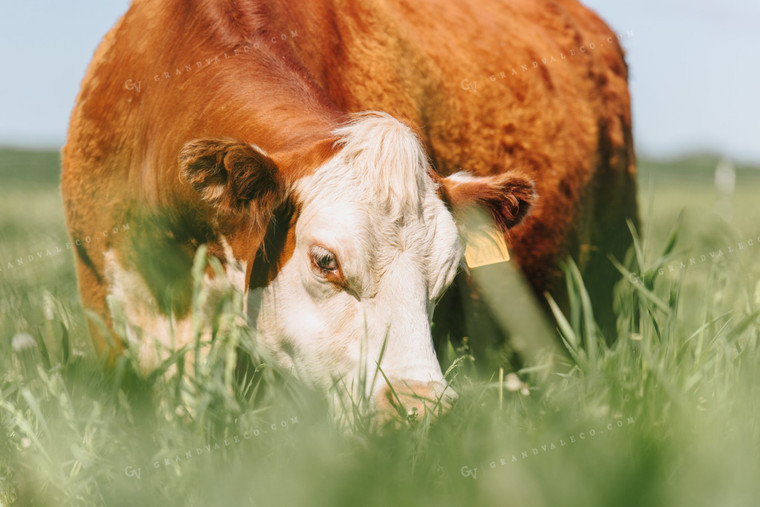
233 177
566 125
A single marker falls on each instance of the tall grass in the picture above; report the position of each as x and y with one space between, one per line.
666 415
672 405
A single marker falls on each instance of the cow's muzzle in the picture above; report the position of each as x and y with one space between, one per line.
413 400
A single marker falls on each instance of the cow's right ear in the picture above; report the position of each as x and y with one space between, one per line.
233 176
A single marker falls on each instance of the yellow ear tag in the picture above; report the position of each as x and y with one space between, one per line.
484 245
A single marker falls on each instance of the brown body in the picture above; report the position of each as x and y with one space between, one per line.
282 74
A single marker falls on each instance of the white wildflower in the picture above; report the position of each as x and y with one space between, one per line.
512 382
22 342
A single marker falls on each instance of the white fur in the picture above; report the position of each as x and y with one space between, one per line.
213 192
152 335
375 205
235 269
462 177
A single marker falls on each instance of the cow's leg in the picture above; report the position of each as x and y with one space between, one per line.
614 202
465 317
93 292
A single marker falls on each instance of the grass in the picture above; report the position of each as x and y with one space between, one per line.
668 415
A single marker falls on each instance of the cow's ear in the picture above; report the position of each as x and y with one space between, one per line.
231 175
508 196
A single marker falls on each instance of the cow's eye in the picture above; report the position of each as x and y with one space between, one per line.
324 260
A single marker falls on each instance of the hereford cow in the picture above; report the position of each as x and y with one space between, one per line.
326 151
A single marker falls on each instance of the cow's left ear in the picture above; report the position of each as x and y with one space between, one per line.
508 196
233 176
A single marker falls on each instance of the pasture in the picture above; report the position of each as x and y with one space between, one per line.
668 415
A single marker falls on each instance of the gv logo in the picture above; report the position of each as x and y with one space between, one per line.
469 85
131 85
469 472
132 472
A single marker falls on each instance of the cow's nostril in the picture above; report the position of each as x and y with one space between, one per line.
414 400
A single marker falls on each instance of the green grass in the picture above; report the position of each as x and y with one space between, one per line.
673 405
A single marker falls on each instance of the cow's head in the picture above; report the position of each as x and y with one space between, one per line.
369 245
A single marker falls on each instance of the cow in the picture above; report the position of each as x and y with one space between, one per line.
327 153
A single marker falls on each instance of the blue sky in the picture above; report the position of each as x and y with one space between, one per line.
694 71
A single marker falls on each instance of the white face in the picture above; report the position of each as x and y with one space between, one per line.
374 248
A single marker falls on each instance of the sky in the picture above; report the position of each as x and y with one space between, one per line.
694 71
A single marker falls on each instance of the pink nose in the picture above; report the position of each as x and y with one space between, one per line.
414 400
